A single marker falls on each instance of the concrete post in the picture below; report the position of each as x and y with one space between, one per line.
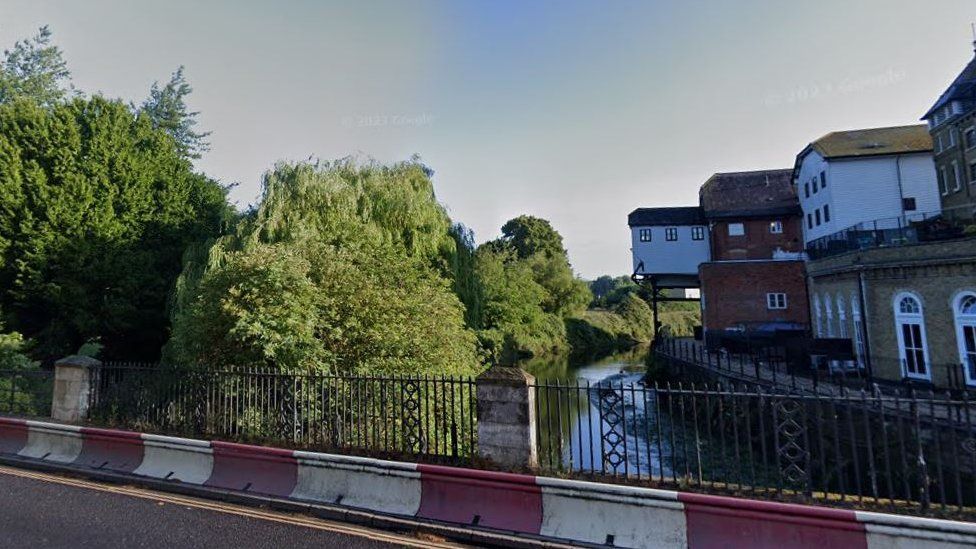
506 417
73 378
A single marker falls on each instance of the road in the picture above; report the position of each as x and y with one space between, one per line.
45 510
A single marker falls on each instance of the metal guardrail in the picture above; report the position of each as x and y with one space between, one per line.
26 392
911 228
393 415
917 453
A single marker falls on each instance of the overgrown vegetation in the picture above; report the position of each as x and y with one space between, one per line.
113 244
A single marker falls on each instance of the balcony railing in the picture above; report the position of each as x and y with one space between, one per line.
911 228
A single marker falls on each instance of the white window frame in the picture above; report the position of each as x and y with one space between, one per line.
842 318
775 227
642 232
776 301
737 229
957 184
817 315
964 323
944 181
911 319
859 353
670 234
698 233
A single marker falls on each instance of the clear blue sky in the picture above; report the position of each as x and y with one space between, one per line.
573 111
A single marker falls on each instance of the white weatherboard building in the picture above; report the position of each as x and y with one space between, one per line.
883 175
669 244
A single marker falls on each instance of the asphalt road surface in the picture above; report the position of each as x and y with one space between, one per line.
45 510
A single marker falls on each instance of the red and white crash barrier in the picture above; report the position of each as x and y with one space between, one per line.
558 509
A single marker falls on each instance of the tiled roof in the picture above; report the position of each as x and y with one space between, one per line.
963 87
874 142
749 194
686 215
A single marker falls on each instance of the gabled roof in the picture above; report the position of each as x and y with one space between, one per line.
872 142
963 87
749 194
646 217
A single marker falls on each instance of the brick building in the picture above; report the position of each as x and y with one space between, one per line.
755 278
952 124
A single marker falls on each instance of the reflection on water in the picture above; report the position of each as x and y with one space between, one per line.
567 368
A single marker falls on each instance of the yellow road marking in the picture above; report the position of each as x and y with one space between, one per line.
317 524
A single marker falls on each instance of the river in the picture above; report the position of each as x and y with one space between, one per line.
583 427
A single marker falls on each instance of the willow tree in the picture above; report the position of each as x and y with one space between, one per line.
342 267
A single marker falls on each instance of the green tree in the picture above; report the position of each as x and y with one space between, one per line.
96 209
166 107
343 267
35 69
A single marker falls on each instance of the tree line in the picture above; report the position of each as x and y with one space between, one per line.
113 244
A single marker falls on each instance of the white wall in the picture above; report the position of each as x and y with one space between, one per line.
866 189
676 257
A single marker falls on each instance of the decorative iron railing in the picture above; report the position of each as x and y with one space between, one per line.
913 452
393 415
26 392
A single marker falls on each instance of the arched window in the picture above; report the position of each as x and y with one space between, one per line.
830 316
910 328
964 307
841 318
858 331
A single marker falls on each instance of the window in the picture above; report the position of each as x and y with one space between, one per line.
910 329
698 233
645 235
775 301
952 137
823 180
965 312
858 332
817 316
829 309
943 185
938 143
737 229
671 234
814 183
969 136
806 190
776 227
826 213
809 220
841 318
908 204
816 215
957 183
972 173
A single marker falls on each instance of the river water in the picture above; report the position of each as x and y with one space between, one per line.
581 430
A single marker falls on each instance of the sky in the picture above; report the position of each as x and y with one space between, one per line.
574 111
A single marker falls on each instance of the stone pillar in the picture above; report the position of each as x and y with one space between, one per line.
73 378
506 417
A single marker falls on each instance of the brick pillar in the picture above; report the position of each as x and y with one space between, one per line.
73 377
506 417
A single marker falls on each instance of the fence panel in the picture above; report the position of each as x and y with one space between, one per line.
26 392
394 415
914 452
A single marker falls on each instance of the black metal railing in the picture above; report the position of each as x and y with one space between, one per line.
26 392
774 366
914 454
911 228
393 415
